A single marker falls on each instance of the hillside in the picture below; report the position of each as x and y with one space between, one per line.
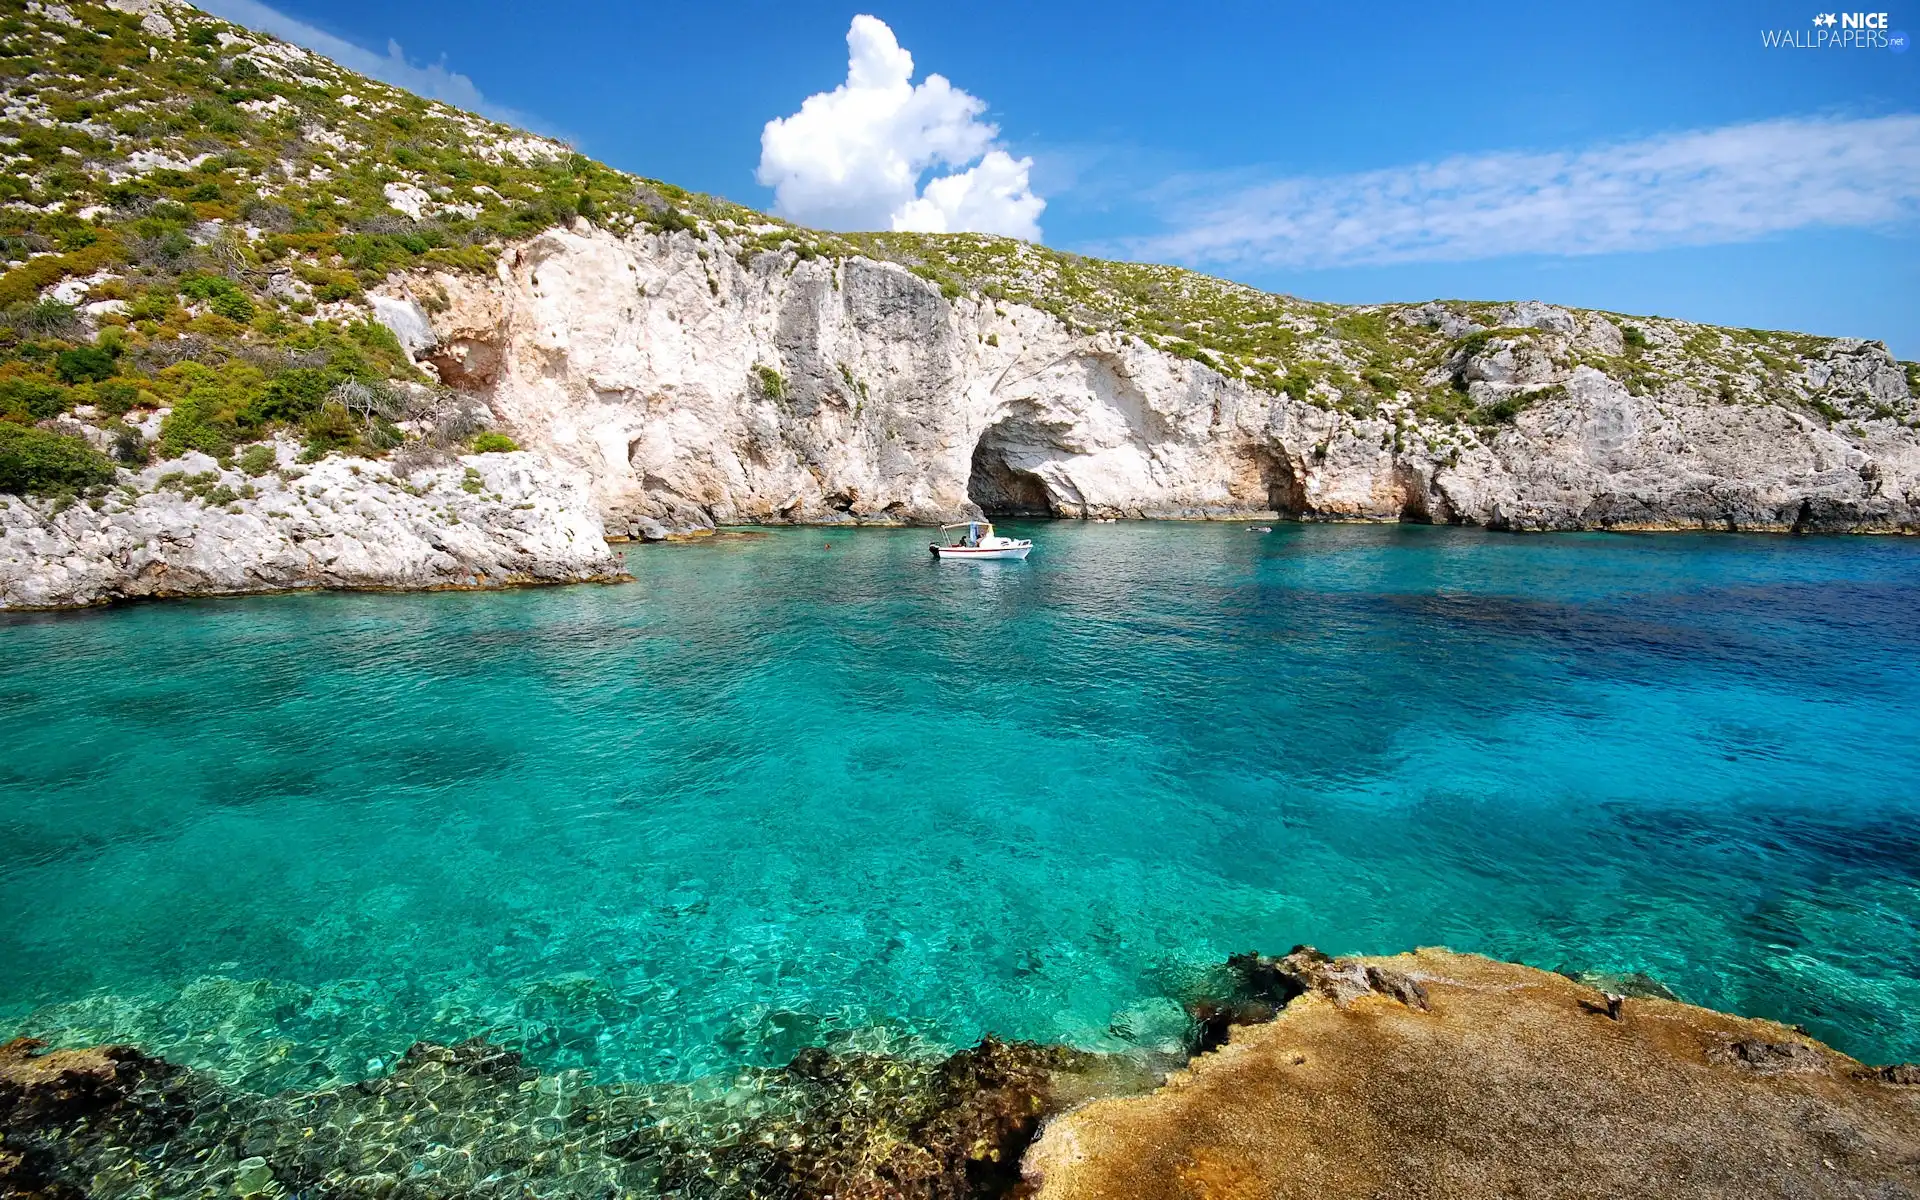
214 239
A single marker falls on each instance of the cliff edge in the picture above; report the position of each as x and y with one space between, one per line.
700 380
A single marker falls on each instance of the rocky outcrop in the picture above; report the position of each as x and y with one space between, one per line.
191 527
1441 1075
474 1120
699 382
116 1094
39 1087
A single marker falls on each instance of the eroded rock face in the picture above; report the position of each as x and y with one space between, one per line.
489 520
1443 1075
695 388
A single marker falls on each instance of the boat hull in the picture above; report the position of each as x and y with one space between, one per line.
981 552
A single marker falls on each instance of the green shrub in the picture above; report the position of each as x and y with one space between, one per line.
116 397
1503 410
773 385
1635 337
223 296
1826 409
154 304
42 318
471 482
332 428
207 416
674 221
129 448
37 462
1381 382
290 396
490 442
258 459
85 364
25 398
1298 384
1472 344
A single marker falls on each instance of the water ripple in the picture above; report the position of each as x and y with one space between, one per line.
771 791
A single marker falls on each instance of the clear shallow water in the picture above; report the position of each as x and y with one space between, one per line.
810 786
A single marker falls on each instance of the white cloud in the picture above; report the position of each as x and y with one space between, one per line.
992 197
1733 184
433 80
853 158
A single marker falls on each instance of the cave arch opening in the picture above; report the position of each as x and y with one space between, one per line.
997 484
1266 478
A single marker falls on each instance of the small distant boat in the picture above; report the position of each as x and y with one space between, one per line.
977 539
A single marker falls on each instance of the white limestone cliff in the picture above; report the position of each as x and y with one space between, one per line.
697 385
668 383
189 527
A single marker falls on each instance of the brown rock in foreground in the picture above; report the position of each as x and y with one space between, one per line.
1512 1082
41 1085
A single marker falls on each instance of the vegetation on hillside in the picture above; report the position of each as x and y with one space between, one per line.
190 214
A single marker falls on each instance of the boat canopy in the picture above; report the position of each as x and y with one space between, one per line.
986 525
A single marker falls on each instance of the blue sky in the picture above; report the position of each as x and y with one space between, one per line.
1649 158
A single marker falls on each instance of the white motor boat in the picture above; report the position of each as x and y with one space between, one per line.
976 539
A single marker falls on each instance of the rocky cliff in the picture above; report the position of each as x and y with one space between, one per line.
701 381
192 527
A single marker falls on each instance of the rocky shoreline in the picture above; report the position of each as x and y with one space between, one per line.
1450 1075
194 527
1429 1073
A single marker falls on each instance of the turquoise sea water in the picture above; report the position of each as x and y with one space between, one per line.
810 786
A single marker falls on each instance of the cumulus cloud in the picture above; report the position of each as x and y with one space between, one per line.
853 158
433 80
1733 184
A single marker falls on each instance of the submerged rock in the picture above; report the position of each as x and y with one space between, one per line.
473 1120
875 1126
43 1088
1637 985
58 1107
1450 1075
